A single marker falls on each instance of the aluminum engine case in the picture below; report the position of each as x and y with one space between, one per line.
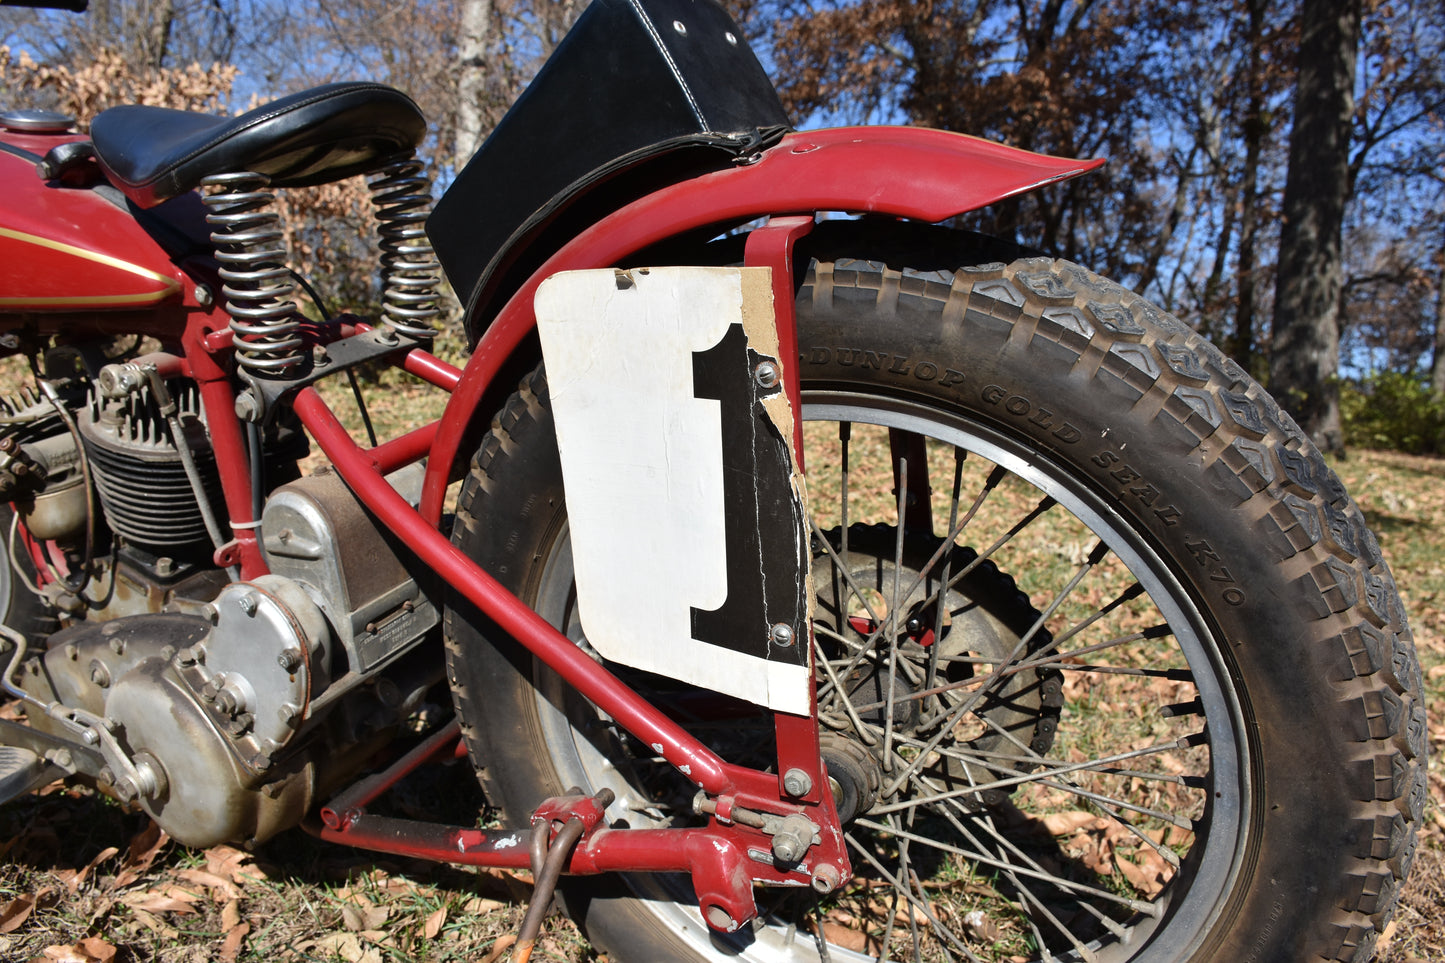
376 596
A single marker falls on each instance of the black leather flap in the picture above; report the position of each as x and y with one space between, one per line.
630 79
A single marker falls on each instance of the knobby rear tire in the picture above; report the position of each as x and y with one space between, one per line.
1189 463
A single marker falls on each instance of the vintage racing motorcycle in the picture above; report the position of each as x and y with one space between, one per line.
844 585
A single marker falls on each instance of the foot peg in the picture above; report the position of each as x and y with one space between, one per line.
22 771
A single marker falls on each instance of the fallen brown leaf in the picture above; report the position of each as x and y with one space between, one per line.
141 854
362 917
499 948
233 864
434 923
154 923
74 879
349 947
849 939
14 914
152 902
1149 879
1066 824
222 889
231 916
480 905
92 949
231 947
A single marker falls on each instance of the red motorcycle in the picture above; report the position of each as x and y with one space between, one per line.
845 586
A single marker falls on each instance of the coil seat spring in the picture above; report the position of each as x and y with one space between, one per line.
257 284
410 272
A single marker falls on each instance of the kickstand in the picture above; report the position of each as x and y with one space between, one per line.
548 862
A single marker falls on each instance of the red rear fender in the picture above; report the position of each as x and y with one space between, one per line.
926 175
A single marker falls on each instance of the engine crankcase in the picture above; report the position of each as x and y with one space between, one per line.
208 704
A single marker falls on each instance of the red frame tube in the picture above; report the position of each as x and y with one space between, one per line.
770 246
361 471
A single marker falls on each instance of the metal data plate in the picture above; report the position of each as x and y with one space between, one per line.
685 509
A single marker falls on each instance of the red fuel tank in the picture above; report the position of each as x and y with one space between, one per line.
67 249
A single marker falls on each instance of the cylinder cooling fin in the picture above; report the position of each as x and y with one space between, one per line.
142 484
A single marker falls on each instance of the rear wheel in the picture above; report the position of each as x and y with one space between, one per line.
1109 667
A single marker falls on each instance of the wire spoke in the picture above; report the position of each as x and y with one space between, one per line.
1039 777
993 678
984 859
898 887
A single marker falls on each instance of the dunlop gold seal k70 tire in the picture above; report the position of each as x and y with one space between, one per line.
1160 702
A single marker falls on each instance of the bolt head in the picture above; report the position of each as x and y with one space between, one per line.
125 789
796 782
782 634
247 603
246 407
766 374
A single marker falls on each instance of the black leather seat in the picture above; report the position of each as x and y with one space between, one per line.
319 135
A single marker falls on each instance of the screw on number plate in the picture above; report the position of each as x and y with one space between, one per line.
766 374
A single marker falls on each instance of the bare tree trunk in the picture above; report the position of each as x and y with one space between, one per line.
1256 129
1306 351
472 108
157 39
1437 361
1214 283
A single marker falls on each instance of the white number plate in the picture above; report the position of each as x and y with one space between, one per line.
686 512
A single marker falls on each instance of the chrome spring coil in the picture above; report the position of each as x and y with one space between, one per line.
410 272
256 282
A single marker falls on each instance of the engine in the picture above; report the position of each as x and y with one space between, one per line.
40 467
147 496
227 707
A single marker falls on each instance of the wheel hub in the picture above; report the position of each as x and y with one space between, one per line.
854 775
